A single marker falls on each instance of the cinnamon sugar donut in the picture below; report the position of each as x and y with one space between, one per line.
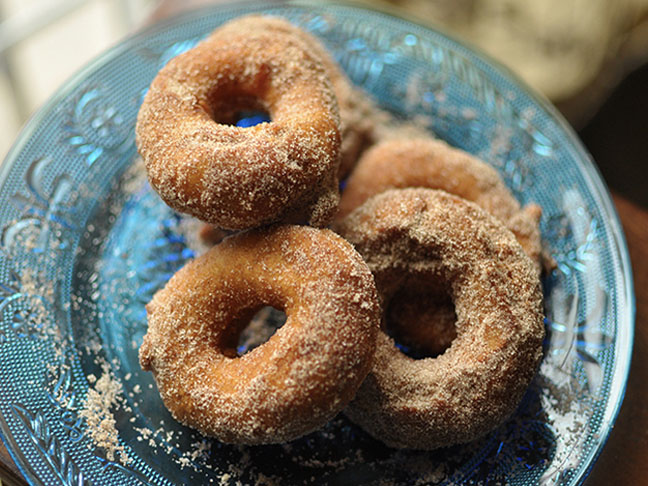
297 380
236 177
355 109
420 317
426 162
479 380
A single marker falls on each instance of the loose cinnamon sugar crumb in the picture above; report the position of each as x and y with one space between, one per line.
104 396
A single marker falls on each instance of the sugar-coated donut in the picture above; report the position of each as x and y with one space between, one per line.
431 163
236 177
355 109
479 380
297 380
418 316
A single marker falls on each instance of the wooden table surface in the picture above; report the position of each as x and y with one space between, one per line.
624 460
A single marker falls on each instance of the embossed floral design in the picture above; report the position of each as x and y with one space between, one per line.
49 446
95 126
46 213
27 321
24 308
59 383
573 233
574 258
10 288
583 338
366 63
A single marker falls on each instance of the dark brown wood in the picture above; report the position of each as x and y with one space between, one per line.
624 459
9 473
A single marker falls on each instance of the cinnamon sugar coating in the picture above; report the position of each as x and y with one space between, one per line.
422 319
479 380
431 163
236 177
297 380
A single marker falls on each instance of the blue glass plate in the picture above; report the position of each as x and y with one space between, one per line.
84 243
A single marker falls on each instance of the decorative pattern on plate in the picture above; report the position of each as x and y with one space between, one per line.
50 447
84 243
44 208
95 126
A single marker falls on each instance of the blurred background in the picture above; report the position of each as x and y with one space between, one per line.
589 57
43 42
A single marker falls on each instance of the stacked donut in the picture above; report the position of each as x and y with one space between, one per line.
428 245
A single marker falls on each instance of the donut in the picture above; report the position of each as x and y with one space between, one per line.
356 125
419 316
294 382
478 381
426 162
243 177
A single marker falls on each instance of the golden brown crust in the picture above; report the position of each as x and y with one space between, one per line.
237 177
478 381
303 375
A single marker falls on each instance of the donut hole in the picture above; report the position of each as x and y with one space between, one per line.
239 110
422 320
249 118
259 329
